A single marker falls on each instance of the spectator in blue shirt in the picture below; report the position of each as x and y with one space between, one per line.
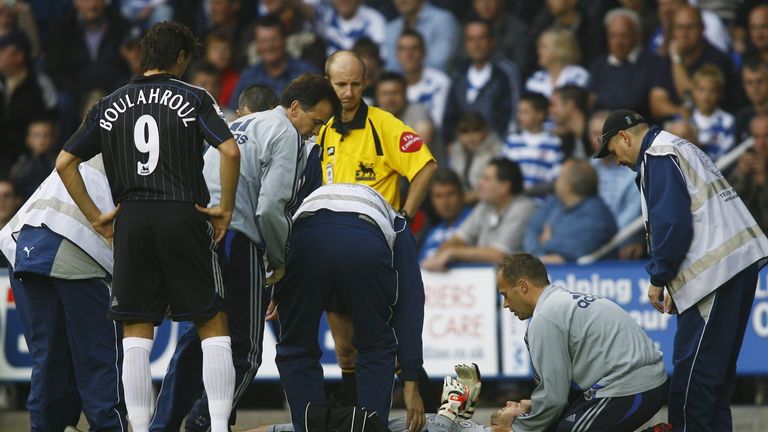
447 198
438 27
277 68
574 221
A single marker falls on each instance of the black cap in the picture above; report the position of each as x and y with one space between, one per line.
18 39
617 121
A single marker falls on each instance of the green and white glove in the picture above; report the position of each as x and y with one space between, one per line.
469 375
453 399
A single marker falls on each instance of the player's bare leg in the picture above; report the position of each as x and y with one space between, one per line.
218 369
137 381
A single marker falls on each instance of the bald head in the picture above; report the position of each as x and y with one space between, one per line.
346 72
345 61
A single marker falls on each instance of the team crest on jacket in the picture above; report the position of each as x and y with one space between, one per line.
365 172
410 142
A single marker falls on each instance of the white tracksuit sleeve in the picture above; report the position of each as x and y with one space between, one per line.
279 186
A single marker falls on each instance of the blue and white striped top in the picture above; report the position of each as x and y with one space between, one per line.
716 132
432 92
540 81
341 34
539 155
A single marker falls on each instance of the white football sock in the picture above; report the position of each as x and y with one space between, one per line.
137 382
219 380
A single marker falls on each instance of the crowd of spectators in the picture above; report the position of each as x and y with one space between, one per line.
509 95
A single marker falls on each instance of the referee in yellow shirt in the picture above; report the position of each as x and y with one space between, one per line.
370 146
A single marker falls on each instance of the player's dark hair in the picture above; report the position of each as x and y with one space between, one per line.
524 266
409 32
538 101
575 94
257 98
309 90
273 21
508 171
162 44
393 76
445 176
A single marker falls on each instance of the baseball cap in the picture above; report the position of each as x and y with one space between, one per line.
17 39
617 121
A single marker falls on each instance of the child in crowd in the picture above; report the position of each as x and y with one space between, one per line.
219 51
475 146
537 151
715 126
205 74
33 167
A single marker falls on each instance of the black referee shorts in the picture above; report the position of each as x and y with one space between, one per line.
165 262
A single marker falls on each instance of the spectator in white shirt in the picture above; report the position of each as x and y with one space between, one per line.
342 22
427 86
559 56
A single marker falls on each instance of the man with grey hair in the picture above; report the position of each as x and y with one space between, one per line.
622 77
573 221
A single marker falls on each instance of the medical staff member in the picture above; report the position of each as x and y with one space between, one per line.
370 146
60 275
595 368
706 250
342 244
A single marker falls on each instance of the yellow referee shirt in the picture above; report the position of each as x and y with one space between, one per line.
374 149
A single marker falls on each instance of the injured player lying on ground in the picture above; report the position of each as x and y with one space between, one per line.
458 401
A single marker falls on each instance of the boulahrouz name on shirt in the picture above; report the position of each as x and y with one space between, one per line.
175 102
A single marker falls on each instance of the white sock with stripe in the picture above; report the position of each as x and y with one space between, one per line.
219 380
137 382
